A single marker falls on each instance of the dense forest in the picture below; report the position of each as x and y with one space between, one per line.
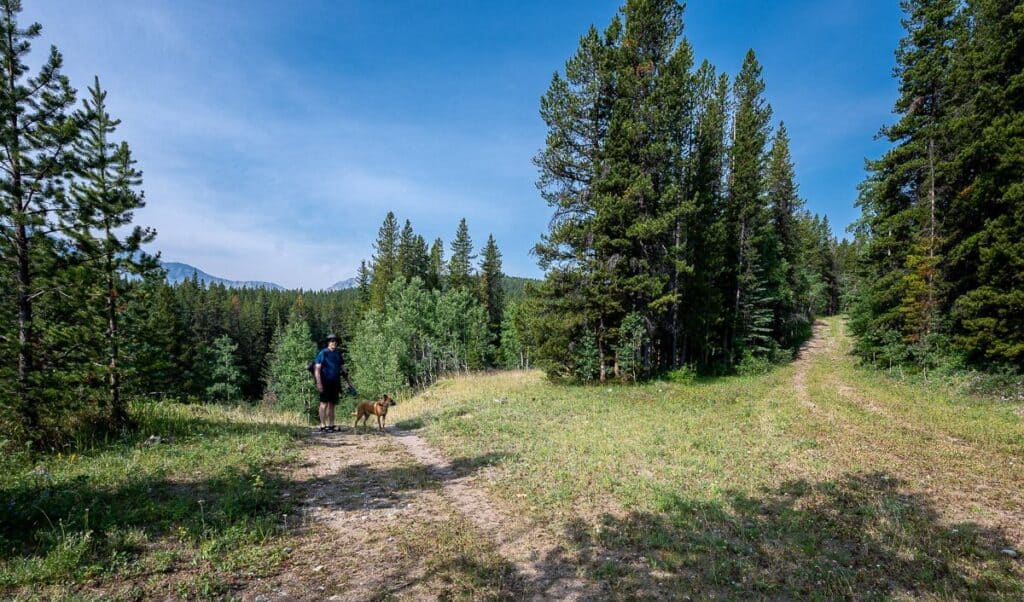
679 236
678 240
941 271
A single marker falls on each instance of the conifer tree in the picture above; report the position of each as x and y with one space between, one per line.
460 264
492 288
404 256
287 378
907 193
38 130
749 235
704 286
106 197
577 109
225 376
385 261
791 319
420 258
985 224
435 271
363 286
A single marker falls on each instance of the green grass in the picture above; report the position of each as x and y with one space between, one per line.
852 485
182 517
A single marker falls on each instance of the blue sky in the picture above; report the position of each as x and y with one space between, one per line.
275 136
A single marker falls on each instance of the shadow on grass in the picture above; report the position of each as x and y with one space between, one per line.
61 526
857 537
55 528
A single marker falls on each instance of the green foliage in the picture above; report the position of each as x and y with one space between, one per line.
668 207
38 130
632 341
289 382
385 261
225 376
942 220
376 358
423 335
460 264
586 359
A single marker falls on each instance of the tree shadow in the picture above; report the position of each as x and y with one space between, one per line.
861 536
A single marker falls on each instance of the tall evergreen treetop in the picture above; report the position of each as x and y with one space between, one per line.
106 197
385 261
460 264
435 271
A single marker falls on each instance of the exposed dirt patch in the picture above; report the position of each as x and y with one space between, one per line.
389 517
548 568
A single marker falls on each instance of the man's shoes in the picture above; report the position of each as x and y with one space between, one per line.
331 429
323 429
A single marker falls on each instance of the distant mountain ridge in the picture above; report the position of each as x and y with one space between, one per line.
344 285
180 272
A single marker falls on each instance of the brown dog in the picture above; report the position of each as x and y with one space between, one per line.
377 408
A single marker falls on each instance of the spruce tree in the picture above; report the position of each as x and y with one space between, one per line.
225 375
704 287
492 288
363 286
749 235
38 130
460 264
791 316
435 271
385 261
985 225
287 378
404 255
909 189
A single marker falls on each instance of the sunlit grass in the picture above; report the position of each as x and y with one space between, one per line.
751 486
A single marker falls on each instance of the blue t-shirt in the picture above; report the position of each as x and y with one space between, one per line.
330 364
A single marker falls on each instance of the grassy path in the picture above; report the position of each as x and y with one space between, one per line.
541 560
821 479
963 460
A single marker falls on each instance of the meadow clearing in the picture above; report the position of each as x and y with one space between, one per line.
818 479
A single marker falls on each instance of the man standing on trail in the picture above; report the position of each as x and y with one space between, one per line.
328 370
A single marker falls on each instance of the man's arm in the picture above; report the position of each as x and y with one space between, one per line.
316 375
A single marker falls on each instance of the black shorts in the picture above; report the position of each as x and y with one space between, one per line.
331 392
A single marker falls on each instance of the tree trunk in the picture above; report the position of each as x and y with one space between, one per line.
25 333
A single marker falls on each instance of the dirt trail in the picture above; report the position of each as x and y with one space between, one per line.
549 572
969 483
376 511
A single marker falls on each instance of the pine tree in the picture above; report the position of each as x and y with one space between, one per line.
363 286
791 319
908 189
105 199
492 288
225 375
706 307
288 380
985 225
404 256
385 261
749 235
460 264
435 271
37 130
573 300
